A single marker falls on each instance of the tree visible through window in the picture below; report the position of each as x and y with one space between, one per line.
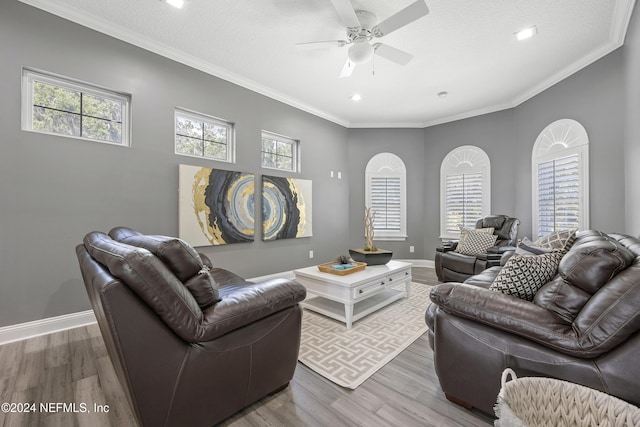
279 152
203 136
64 107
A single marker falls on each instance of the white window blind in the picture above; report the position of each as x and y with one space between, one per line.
385 203
559 194
464 197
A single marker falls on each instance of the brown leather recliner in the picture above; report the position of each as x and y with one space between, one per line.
185 352
583 326
452 266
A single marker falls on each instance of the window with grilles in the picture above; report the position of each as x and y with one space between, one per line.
560 178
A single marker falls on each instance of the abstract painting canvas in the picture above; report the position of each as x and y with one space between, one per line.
216 206
286 208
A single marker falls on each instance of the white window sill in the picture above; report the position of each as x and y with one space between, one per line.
390 239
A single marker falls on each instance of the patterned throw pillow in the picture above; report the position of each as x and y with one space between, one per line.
527 247
562 240
476 242
523 275
465 231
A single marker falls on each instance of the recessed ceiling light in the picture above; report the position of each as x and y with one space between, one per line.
443 94
356 97
526 33
176 3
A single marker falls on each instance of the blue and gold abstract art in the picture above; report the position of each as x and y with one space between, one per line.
216 206
286 208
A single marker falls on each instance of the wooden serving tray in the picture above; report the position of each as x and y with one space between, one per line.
326 268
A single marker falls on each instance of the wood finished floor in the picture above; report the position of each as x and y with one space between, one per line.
73 367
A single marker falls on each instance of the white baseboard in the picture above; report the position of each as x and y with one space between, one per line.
420 262
50 325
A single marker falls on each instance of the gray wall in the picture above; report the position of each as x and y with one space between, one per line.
495 134
408 144
632 128
54 189
594 96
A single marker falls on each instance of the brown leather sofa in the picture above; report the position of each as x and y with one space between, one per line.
191 344
583 326
452 266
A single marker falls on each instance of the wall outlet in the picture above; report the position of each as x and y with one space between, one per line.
310 254
331 174
412 249
339 175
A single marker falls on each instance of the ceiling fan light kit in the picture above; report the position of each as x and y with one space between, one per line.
362 27
360 52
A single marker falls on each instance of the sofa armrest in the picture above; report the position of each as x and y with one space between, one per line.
249 303
510 314
447 246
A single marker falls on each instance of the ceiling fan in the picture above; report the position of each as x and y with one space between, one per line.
363 27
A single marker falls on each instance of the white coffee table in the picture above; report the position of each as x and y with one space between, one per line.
351 297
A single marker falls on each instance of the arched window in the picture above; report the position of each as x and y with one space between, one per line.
385 186
560 176
465 189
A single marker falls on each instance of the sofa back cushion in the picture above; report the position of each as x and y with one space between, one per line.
181 258
593 260
589 265
564 300
149 278
612 314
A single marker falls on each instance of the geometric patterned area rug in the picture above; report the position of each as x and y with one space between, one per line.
349 357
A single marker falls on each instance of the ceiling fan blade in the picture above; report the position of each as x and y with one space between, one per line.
392 54
347 69
406 16
320 44
347 13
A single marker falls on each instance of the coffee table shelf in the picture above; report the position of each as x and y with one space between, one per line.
354 296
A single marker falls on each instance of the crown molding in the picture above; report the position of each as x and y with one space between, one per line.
147 43
620 23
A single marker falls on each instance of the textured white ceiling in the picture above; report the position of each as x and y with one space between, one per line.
464 47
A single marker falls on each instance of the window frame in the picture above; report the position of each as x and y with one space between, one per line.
295 150
466 159
388 165
205 119
30 76
561 139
